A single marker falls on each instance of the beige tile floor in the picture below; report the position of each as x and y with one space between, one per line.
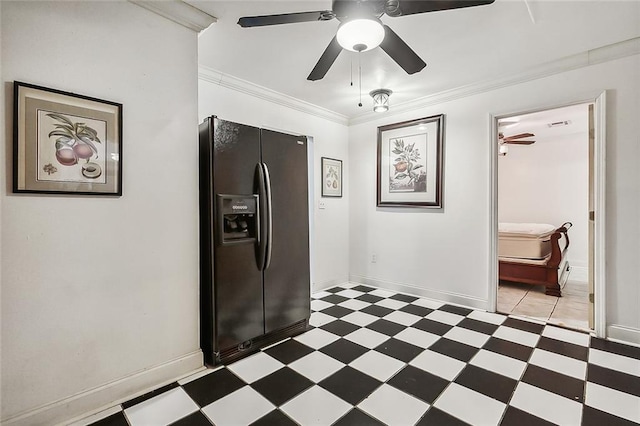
570 310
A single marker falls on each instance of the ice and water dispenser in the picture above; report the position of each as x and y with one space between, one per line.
237 220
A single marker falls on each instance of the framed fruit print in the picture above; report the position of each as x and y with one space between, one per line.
410 163
66 143
331 177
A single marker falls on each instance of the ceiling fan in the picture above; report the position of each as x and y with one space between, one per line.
515 139
361 29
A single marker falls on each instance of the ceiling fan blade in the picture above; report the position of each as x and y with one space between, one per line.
326 60
285 18
400 52
411 7
519 142
519 136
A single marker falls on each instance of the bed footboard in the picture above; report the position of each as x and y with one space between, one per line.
544 273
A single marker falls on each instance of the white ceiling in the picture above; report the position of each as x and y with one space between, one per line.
538 122
460 47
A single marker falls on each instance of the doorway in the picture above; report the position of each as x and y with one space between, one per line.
545 177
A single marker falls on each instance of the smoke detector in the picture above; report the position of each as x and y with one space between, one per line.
559 123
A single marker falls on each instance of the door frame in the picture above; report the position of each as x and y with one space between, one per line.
599 175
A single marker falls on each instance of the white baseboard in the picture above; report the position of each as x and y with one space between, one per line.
579 274
441 296
319 286
624 334
102 397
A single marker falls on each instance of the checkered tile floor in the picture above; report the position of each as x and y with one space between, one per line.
375 357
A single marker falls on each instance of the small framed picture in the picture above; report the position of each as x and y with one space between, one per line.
66 143
331 177
410 163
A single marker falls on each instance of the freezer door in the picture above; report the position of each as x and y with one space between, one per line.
286 279
237 279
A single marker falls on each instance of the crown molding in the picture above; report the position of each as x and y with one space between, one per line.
591 57
179 12
216 77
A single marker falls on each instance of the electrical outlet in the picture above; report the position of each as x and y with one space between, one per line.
374 258
321 205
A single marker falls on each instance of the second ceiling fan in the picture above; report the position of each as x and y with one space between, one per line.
516 139
361 29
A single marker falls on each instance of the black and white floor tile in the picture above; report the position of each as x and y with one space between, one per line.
374 357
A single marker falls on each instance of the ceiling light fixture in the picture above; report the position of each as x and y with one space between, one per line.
360 35
380 99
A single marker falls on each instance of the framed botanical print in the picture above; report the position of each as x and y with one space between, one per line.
410 163
66 143
331 177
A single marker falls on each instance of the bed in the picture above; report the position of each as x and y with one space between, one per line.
530 253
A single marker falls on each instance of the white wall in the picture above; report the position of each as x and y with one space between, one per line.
331 258
548 182
101 294
77 322
445 254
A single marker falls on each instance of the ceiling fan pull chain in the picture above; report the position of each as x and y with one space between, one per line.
352 71
360 78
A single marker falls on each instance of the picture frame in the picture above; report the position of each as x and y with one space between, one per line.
65 143
331 177
409 166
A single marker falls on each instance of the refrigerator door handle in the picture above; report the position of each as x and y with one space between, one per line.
261 249
269 241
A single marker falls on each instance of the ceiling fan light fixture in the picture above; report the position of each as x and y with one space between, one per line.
360 35
380 99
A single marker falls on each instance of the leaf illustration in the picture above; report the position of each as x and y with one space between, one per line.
64 126
90 130
61 133
79 127
417 166
397 151
60 118
401 176
91 133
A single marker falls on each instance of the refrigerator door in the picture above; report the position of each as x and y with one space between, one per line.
263 189
237 279
286 279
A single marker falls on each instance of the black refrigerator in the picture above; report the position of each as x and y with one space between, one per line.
254 238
